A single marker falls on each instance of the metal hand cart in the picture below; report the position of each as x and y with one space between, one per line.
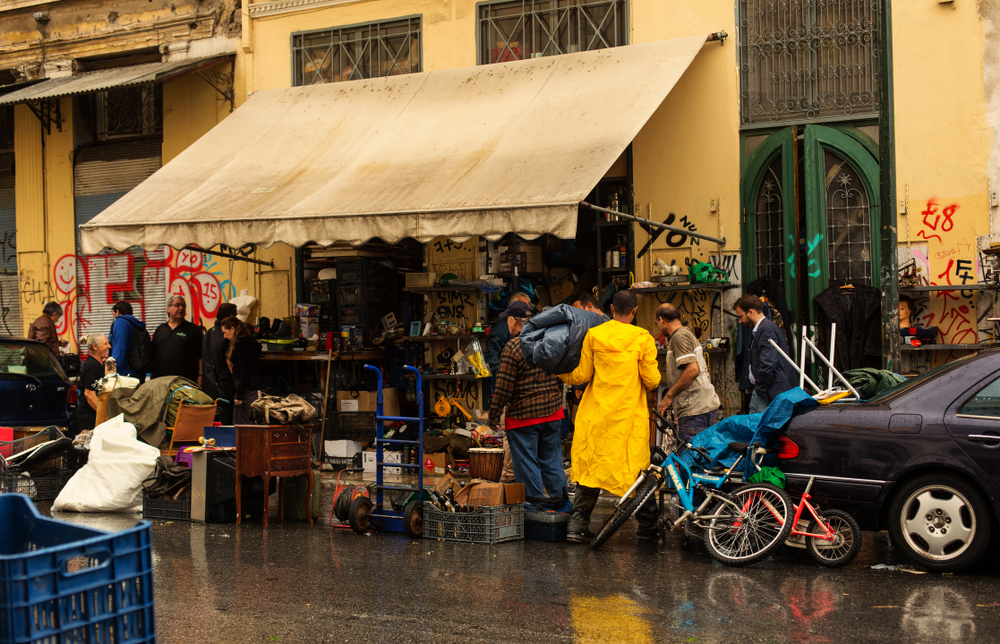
366 515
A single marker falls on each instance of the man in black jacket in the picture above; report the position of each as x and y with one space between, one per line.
770 373
217 380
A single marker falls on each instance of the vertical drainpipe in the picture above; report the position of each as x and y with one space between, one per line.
889 277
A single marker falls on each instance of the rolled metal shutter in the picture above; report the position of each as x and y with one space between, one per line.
10 301
101 176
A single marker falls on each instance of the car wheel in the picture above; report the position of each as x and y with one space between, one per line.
940 523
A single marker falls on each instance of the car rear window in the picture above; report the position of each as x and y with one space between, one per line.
917 380
28 359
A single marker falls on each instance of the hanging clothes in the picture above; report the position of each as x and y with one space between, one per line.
857 311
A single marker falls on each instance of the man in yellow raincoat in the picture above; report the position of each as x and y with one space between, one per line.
611 439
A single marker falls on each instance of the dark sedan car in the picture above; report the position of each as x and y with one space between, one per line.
34 390
922 460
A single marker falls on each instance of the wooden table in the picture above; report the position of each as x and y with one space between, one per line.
272 451
322 356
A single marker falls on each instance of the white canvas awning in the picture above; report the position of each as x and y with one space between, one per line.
487 150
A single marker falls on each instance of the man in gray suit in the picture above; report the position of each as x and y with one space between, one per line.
770 373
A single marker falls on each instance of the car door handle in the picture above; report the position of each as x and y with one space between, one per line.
984 438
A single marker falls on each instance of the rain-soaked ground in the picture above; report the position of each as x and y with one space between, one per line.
295 583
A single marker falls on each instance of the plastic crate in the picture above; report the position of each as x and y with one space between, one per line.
546 526
349 426
321 291
9 448
407 353
43 483
493 524
371 295
61 582
345 462
364 270
179 510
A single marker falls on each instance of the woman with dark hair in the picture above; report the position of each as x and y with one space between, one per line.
243 357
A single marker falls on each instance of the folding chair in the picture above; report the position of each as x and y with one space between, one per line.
190 423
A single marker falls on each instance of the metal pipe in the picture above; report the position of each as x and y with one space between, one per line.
656 224
833 345
238 258
802 358
795 366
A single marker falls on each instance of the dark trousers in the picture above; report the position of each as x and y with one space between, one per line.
537 455
586 498
241 412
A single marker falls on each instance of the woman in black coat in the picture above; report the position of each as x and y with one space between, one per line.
243 357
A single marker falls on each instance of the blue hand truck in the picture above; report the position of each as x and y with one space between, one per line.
365 515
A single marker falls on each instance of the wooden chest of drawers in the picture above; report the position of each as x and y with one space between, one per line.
272 451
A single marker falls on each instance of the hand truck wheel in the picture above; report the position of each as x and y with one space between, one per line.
413 519
360 514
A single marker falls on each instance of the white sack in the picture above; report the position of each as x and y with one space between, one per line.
111 480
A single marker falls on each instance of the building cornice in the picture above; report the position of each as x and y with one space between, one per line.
278 7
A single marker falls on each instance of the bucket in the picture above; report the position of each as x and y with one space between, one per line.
486 463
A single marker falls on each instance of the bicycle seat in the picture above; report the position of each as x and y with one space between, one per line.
739 447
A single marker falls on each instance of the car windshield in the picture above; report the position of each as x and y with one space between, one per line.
917 380
28 359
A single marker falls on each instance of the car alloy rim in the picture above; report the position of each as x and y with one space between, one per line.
938 522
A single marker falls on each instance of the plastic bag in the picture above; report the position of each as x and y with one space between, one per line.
111 481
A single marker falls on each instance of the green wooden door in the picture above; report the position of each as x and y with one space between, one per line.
811 218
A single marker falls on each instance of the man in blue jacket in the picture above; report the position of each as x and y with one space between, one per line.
120 338
770 373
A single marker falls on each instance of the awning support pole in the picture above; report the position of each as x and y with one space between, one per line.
43 111
649 222
234 256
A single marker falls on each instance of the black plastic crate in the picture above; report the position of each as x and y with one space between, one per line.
407 353
37 486
179 510
321 291
350 426
364 270
327 317
354 295
369 318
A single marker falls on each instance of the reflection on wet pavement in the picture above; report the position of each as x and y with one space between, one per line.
223 583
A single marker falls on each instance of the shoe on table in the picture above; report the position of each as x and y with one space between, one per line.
580 537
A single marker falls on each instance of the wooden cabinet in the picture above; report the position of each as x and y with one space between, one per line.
272 451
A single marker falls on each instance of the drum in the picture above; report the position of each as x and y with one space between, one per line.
486 463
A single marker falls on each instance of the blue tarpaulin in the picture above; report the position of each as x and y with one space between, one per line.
748 428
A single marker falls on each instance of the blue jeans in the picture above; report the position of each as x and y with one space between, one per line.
690 426
538 462
757 403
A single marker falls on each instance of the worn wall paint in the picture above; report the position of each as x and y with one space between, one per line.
191 107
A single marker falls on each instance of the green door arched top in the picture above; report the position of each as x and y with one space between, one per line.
771 163
842 213
829 234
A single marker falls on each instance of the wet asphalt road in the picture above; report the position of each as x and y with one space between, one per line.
228 584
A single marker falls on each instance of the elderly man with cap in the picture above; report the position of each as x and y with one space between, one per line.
533 403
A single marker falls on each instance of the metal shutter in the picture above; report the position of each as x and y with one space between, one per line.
101 176
10 302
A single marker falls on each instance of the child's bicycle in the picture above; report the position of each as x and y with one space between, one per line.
833 538
740 527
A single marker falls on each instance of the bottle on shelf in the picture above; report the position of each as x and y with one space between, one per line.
622 251
614 206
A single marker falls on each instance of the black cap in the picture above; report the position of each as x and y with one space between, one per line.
517 309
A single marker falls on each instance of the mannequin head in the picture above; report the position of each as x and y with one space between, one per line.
905 310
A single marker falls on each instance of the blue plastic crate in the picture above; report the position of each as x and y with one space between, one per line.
61 582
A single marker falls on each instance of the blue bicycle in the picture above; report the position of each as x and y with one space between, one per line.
740 527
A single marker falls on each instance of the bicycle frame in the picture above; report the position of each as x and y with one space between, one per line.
803 504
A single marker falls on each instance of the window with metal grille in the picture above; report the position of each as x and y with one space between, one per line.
768 215
533 28
129 111
848 223
371 50
804 60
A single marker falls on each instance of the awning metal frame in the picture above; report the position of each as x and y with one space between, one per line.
44 111
222 82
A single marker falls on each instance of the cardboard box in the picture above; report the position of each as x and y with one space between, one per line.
420 279
480 493
435 464
341 449
308 327
370 463
307 310
365 401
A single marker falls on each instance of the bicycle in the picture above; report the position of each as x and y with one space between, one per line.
833 539
744 525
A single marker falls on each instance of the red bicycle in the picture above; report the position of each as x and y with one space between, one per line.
832 537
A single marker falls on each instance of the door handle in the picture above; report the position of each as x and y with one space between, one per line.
984 438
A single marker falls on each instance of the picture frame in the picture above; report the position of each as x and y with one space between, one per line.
415 327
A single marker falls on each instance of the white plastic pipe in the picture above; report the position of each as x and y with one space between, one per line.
795 366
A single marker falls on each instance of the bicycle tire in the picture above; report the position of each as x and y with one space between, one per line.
745 536
625 511
846 543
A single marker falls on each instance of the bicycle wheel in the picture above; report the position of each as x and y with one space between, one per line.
746 533
625 511
846 540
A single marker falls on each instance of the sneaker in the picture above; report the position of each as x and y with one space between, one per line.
580 537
